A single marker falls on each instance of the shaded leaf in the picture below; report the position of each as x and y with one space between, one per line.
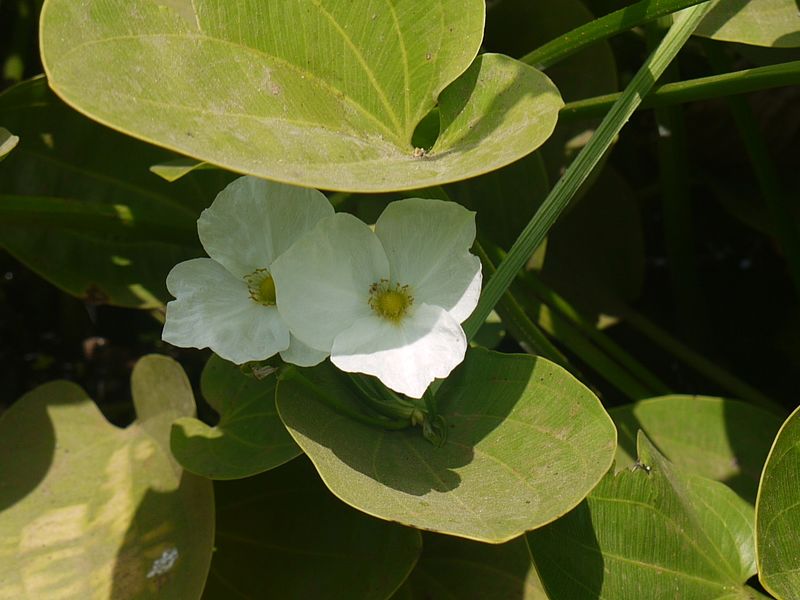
526 442
80 208
283 535
273 102
721 439
94 511
454 568
650 532
249 438
595 253
778 514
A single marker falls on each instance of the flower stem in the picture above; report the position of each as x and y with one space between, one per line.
331 400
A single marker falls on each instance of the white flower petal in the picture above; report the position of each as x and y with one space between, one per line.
427 344
427 243
322 282
213 309
301 354
253 221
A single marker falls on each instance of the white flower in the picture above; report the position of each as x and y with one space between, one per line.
227 302
387 303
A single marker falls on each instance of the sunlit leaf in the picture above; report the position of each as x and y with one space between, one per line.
322 93
8 141
721 439
759 22
650 532
283 535
526 442
88 510
249 438
778 514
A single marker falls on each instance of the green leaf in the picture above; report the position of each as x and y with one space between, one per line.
650 532
283 535
778 514
90 510
173 170
454 568
773 23
721 439
80 208
249 438
8 141
276 104
526 442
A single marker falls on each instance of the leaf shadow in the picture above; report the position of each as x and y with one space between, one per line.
569 541
472 405
750 440
25 460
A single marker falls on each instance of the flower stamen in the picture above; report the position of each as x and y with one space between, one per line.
391 302
261 287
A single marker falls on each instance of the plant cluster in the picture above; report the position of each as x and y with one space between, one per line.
408 263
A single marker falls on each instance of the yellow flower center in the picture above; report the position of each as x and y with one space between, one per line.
390 302
261 286
267 290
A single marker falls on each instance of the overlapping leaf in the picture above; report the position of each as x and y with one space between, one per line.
526 442
88 510
721 439
650 532
249 438
778 514
321 93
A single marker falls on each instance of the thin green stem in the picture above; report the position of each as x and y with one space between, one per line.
558 303
564 190
603 28
521 327
738 388
776 199
574 338
691 90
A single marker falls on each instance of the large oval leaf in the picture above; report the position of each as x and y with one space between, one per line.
321 93
759 22
249 438
283 535
526 442
778 514
721 439
650 532
93 511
